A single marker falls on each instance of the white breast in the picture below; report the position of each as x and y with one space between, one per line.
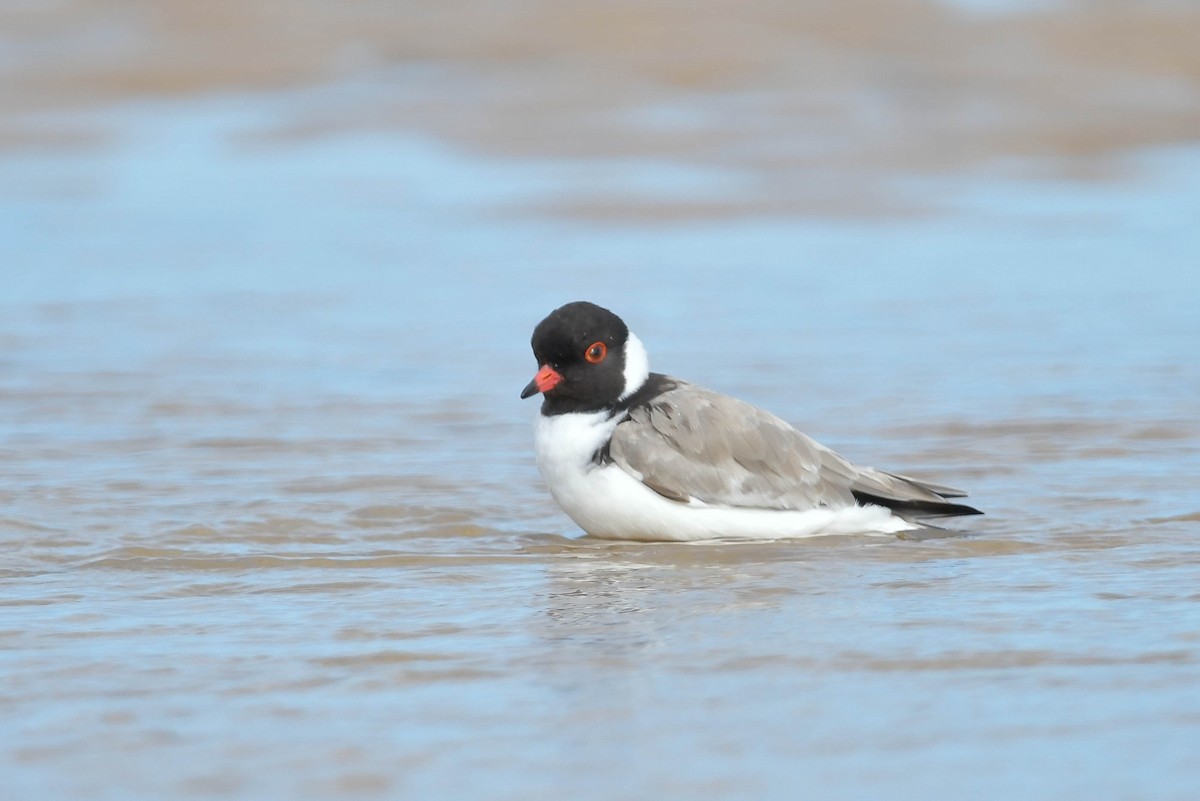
566 445
607 502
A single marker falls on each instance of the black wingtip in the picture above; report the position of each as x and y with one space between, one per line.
918 509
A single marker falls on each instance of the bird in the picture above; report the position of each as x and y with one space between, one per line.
630 454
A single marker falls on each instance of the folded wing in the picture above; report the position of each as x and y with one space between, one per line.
693 445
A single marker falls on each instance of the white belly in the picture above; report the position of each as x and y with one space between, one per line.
607 502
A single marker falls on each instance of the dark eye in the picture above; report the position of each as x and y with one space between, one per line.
596 352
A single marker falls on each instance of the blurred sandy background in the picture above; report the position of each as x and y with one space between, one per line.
818 101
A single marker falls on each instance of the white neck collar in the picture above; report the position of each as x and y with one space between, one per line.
637 366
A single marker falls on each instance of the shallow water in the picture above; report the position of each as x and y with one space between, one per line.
270 521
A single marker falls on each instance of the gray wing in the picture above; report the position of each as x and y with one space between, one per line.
691 444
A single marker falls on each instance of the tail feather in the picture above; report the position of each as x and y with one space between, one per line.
910 498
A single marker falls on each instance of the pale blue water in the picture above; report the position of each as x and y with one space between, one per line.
272 529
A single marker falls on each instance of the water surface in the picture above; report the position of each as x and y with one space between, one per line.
270 521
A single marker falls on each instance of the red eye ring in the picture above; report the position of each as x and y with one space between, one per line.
595 352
